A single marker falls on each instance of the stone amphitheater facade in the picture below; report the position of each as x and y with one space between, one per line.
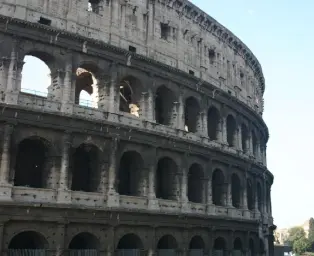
170 156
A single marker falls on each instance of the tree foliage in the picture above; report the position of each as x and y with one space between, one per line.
298 240
311 233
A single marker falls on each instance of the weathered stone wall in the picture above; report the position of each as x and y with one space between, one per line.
192 42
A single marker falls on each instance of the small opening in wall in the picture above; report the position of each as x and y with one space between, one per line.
191 72
229 92
132 49
164 28
241 74
44 21
93 6
211 53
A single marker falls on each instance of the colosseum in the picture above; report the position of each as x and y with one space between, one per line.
168 156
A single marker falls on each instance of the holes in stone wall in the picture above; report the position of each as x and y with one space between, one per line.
164 105
94 6
218 183
31 163
213 123
130 174
191 114
166 179
164 31
84 168
236 190
195 184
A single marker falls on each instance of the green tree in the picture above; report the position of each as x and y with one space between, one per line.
295 233
301 245
311 234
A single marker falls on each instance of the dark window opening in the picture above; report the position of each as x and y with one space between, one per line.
211 53
237 245
164 105
191 114
130 174
197 243
132 49
165 29
219 244
167 242
84 241
166 179
218 193
195 184
245 138
84 169
130 241
213 123
250 199
28 240
231 131
31 163
259 196
44 21
251 247
130 95
191 72
236 191
94 6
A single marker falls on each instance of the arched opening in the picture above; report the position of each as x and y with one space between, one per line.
167 245
94 6
237 247
191 114
218 181
219 246
267 201
130 174
31 163
166 179
254 143
36 83
231 130
213 123
250 199
86 87
261 247
164 105
236 190
85 168
130 244
28 243
131 95
259 196
196 246
245 138
84 244
251 247
195 184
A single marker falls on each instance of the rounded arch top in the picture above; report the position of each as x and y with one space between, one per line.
83 241
28 240
197 242
130 241
167 242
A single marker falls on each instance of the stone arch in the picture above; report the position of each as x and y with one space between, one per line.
167 242
259 196
33 83
197 243
254 143
195 183
28 240
250 194
167 184
220 245
218 187
84 241
245 138
31 164
85 169
129 242
236 189
130 174
86 85
213 123
131 95
231 130
192 114
164 105
237 247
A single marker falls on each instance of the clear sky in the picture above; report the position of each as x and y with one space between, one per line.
279 32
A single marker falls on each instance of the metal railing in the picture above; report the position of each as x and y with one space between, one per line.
196 252
87 103
26 252
34 92
130 252
88 252
166 252
218 253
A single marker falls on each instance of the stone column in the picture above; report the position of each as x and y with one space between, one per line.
264 197
204 118
180 113
239 138
113 197
55 89
184 184
223 138
4 65
250 149
64 195
5 187
114 96
258 152
2 223
150 115
152 200
244 194
67 104
61 234
143 105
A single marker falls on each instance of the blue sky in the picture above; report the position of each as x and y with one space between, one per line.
280 35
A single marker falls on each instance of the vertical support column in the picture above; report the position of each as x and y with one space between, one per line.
204 121
258 152
150 115
180 112
4 67
224 130
60 244
264 196
67 104
111 241
184 184
64 195
251 150
150 28
143 105
6 188
209 170
2 223
114 97
152 242
152 200
113 197
244 194
239 137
